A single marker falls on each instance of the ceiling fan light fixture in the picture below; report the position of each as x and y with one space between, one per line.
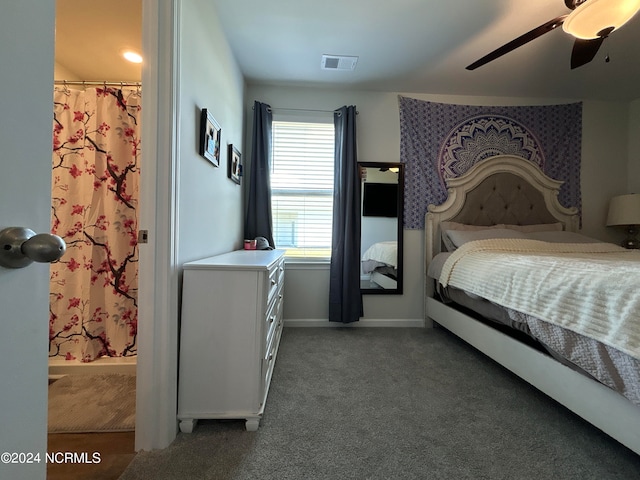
598 18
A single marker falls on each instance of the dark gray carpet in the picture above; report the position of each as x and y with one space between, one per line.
393 404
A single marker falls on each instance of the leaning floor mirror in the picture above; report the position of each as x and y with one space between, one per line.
381 210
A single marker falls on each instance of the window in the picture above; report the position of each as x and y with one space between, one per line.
302 188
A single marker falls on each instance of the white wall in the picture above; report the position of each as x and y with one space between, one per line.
634 148
377 229
604 173
605 153
61 72
26 53
210 204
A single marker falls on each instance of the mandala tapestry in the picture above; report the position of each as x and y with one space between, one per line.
441 141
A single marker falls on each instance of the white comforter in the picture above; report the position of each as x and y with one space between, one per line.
383 252
592 289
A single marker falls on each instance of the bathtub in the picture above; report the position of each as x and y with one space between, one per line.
59 367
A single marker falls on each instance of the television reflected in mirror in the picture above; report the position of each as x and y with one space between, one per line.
381 237
379 199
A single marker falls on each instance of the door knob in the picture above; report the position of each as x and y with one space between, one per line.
20 246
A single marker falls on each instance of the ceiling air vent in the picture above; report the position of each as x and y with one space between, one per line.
338 62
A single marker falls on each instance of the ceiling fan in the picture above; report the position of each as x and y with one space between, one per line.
590 22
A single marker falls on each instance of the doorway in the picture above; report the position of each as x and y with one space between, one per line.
90 42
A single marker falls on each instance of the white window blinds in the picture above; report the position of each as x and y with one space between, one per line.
302 188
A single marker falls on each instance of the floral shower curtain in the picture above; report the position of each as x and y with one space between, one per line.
93 292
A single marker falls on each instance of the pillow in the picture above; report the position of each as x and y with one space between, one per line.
463 226
542 227
455 226
446 226
561 237
460 237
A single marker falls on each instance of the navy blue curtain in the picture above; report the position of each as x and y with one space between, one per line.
258 222
345 299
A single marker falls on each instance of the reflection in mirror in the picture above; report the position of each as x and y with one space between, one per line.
381 227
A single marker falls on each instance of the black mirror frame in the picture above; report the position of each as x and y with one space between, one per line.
400 225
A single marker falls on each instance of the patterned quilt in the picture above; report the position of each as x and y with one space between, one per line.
592 289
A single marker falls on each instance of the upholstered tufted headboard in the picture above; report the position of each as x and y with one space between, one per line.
501 189
504 198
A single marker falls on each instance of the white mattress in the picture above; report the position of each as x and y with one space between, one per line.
604 363
592 289
382 252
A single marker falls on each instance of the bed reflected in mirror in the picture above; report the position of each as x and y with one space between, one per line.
381 210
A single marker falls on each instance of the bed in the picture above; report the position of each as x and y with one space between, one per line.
506 208
380 262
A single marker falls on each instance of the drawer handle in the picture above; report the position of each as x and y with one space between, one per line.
273 282
271 357
272 318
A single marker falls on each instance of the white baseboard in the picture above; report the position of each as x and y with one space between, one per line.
367 322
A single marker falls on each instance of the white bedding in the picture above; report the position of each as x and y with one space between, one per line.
383 253
592 289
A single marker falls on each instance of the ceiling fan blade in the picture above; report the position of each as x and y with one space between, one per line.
518 42
584 51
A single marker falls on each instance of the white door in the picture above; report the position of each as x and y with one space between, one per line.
26 94
26 78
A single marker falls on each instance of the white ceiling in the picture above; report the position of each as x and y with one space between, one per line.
419 46
90 38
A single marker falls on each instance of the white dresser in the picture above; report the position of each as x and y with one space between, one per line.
229 335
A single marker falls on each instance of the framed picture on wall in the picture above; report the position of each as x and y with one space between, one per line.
210 133
234 169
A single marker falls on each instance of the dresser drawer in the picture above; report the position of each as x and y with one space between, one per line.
273 317
276 276
269 360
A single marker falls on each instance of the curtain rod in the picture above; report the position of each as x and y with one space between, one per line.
300 110
95 82
278 109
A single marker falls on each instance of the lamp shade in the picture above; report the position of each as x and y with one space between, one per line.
595 16
624 210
